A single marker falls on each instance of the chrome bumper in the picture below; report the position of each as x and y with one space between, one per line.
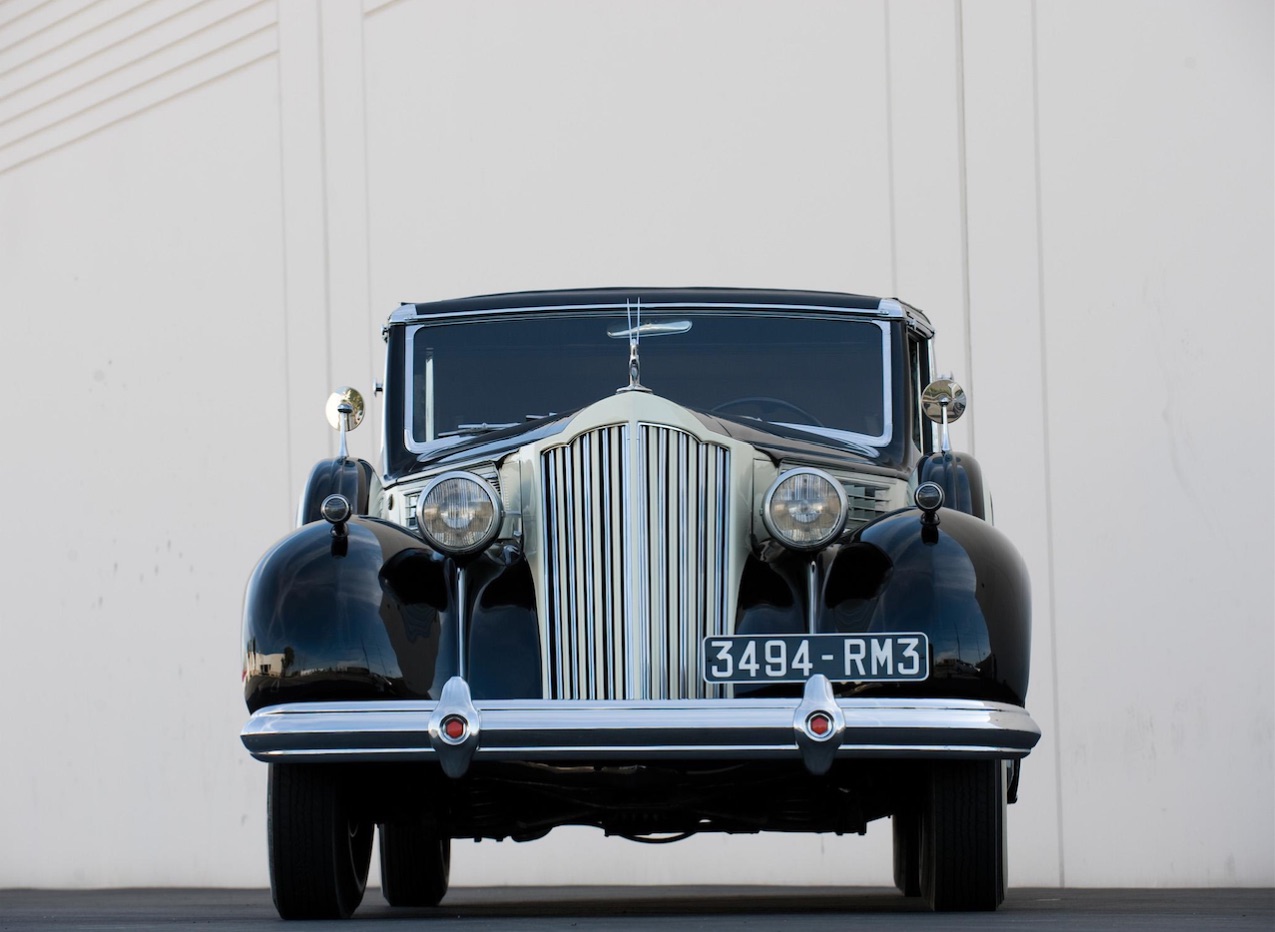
815 729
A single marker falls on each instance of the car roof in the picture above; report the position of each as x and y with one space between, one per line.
669 298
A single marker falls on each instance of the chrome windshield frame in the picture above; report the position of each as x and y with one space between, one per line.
433 443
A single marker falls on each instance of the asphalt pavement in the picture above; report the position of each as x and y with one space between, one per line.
652 908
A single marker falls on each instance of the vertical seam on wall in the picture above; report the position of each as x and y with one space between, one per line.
323 193
889 154
965 220
373 332
288 400
1049 485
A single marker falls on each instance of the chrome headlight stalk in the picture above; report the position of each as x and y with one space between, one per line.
805 509
459 513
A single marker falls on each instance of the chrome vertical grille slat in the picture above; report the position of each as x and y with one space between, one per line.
635 536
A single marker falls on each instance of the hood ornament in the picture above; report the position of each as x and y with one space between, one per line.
634 332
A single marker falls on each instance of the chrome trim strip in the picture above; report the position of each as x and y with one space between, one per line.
812 595
462 622
431 430
685 729
887 391
886 308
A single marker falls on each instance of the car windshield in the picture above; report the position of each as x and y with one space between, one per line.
824 375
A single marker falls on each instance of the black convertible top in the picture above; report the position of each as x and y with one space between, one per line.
660 297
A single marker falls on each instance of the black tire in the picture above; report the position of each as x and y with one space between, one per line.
319 852
906 825
963 837
415 864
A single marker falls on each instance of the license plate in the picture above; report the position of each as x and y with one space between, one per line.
882 658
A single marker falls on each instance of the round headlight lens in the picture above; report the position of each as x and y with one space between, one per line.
459 513
805 509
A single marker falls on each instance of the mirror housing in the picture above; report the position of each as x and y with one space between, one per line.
344 411
943 401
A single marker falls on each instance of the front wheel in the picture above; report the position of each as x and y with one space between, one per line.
319 849
415 864
963 837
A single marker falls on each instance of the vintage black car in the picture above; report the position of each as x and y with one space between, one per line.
659 561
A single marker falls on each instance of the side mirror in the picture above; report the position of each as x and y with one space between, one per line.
344 410
943 402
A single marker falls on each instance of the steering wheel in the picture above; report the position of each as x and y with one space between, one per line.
768 401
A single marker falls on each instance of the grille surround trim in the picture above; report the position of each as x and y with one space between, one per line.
619 663
635 536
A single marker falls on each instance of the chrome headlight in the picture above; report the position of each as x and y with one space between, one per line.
459 513
805 509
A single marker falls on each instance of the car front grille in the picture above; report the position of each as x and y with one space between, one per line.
635 540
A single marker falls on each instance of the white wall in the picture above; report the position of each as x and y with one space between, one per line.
207 210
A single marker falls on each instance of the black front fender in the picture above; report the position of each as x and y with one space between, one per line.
961 582
362 616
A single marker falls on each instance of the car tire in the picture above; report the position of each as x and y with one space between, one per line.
963 837
319 850
415 864
906 827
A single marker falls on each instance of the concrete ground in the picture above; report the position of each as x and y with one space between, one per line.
643 908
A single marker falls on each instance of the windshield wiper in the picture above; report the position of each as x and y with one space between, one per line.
469 430
465 430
